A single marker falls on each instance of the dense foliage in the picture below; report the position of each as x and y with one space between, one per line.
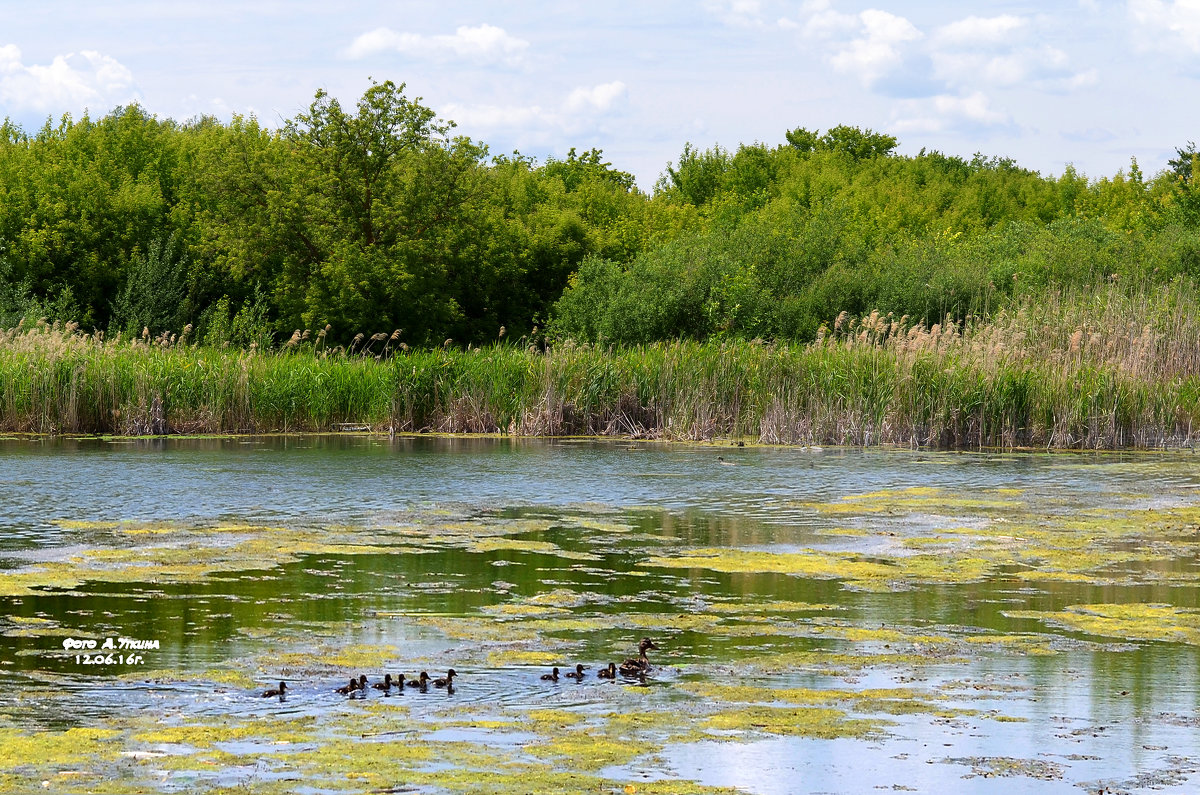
377 217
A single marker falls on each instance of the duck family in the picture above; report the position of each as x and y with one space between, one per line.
636 667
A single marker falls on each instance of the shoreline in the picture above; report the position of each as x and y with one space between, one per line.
713 444
955 389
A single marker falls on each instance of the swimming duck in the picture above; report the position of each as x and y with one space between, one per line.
552 676
421 682
276 691
348 689
447 680
362 683
638 665
608 673
577 673
385 685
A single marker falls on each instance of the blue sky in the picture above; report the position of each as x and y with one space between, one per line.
1084 82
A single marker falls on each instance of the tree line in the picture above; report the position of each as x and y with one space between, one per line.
378 217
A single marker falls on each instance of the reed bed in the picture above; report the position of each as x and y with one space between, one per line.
1111 369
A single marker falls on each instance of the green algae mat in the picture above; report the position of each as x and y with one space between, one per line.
825 620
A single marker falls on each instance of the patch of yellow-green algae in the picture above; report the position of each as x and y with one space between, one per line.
810 563
888 700
1022 644
857 571
779 606
817 722
206 735
585 750
232 674
916 497
175 552
917 543
842 663
1138 621
48 750
507 657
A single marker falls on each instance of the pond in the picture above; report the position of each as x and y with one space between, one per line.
824 620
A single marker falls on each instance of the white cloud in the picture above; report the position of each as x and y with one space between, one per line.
1043 67
482 43
598 98
496 117
76 80
980 30
879 47
739 13
823 22
1180 19
578 112
947 112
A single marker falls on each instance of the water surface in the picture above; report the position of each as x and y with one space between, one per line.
828 620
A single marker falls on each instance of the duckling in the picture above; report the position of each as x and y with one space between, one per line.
638 665
399 682
348 689
276 691
421 682
385 685
362 683
608 673
447 680
577 674
552 676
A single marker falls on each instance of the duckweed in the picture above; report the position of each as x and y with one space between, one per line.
48 750
816 722
588 751
1136 621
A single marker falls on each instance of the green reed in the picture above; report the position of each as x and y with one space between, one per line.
1116 371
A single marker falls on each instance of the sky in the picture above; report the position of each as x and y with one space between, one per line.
1085 83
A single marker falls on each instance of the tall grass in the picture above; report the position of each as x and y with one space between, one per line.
1107 369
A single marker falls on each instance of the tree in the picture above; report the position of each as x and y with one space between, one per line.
859 144
1183 164
577 169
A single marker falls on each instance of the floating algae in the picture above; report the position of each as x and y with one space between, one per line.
816 722
1157 622
759 653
